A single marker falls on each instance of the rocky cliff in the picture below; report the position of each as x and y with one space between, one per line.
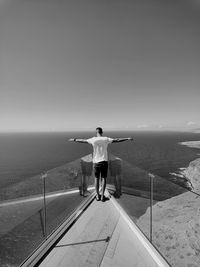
176 223
193 174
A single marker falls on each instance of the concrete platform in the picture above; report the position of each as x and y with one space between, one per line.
104 236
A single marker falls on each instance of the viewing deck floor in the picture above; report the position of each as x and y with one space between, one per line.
103 236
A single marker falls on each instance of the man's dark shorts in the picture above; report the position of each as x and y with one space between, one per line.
101 169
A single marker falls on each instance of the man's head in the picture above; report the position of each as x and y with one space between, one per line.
99 131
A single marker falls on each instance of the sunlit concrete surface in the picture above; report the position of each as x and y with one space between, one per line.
103 236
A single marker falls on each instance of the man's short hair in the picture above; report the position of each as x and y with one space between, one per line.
99 129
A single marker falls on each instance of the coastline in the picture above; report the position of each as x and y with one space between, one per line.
184 173
191 173
192 144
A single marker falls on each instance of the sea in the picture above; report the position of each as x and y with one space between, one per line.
23 155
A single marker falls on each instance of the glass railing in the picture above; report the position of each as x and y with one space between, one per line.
32 210
166 212
73 182
21 224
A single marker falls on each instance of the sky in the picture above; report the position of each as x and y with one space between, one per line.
119 64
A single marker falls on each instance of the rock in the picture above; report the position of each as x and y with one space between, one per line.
193 174
176 223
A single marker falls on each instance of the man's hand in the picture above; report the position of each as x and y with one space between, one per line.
117 140
71 139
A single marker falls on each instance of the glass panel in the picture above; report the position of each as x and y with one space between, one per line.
131 188
67 187
22 212
21 224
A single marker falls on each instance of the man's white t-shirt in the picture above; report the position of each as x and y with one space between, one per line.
100 144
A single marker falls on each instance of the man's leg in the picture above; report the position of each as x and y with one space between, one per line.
104 171
103 185
97 178
97 187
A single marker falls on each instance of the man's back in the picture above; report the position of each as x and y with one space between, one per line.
100 144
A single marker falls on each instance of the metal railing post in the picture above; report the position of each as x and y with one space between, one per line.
151 205
43 176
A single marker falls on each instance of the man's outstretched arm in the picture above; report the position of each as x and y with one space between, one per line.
117 140
78 140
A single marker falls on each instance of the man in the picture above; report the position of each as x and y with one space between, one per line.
100 157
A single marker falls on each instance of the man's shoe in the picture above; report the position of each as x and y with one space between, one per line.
102 198
97 198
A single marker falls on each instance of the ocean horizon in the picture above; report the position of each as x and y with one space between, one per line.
26 154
